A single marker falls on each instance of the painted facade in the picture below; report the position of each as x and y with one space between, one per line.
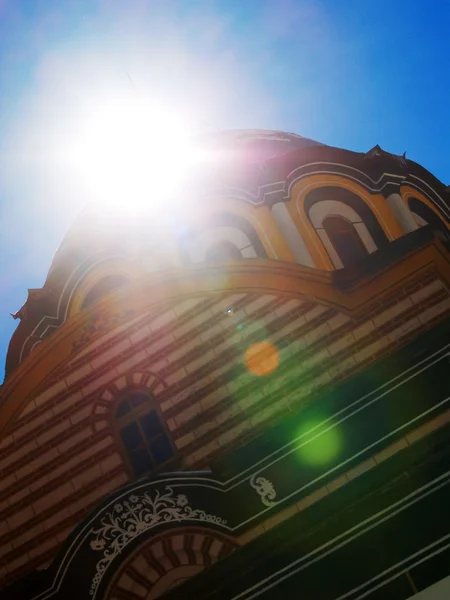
231 395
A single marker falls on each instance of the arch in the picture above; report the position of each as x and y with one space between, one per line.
235 240
223 251
108 284
100 279
372 203
354 202
103 407
290 280
232 231
363 236
427 216
260 219
162 562
408 192
221 219
342 220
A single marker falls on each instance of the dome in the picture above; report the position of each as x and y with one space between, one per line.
257 144
252 145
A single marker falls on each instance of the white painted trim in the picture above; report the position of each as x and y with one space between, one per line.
420 221
400 380
199 244
292 236
406 561
330 208
66 285
402 213
319 211
360 194
335 259
343 538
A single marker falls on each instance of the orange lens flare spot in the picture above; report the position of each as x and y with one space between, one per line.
262 358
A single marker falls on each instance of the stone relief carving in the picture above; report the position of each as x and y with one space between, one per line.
135 515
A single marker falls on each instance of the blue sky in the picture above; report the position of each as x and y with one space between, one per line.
349 73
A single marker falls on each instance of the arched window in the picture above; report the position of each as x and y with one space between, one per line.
105 285
424 215
222 252
142 434
222 237
356 223
345 240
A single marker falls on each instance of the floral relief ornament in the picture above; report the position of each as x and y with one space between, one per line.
265 490
131 517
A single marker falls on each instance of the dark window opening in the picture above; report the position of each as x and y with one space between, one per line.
345 240
222 252
105 285
143 435
430 217
356 203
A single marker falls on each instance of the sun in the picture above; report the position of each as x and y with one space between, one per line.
131 152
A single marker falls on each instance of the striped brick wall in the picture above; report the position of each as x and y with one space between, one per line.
60 459
166 561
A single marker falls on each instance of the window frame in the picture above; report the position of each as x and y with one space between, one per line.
351 231
134 416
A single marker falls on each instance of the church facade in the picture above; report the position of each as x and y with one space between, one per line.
241 393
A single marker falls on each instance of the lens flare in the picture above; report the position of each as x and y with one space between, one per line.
324 445
262 358
131 152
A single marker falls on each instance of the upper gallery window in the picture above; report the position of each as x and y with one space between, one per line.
222 252
345 240
345 223
143 436
104 286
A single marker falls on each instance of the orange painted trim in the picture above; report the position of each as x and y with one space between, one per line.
267 224
375 202
407 192
258 276
107 267
309 235
259 217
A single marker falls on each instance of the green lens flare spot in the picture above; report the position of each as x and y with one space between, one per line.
321 444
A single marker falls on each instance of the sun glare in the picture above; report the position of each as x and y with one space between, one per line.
130 153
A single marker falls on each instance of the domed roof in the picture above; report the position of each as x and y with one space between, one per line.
248 145
260 144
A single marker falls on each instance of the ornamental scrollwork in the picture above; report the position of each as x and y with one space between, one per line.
135 515
265 490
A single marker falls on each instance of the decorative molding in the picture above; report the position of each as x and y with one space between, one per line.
136 515
265 490
151 505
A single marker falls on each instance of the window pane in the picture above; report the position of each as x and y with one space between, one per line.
131 436
137 399
151 425
122 409
345 239
161 449
223 251
141 461
348 248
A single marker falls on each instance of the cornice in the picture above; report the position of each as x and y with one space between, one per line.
265 277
